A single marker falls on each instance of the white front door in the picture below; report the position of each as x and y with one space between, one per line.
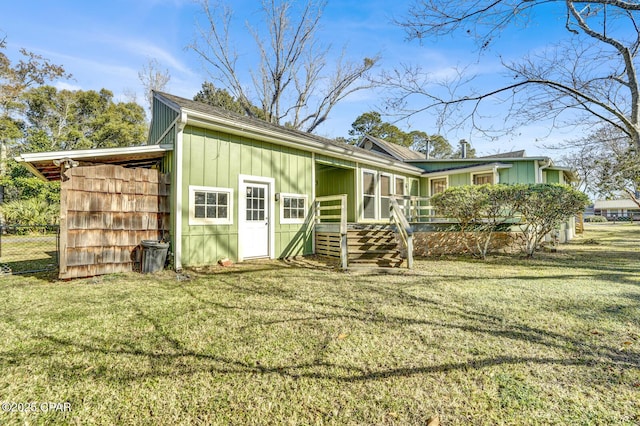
254 220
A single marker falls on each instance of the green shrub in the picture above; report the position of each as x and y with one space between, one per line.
595 219
30 212
539 209
479 210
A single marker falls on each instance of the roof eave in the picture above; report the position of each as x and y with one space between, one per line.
287 139
472 169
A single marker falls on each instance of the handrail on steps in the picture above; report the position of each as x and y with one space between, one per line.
398 218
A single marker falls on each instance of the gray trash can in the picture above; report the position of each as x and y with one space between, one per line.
154 255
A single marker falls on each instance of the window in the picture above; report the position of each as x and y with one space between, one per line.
293 208
399 186
482 178
210 206
385 194
438 185
368 195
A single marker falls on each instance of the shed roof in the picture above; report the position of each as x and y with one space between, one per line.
48 165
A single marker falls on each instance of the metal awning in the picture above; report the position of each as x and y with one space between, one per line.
48 165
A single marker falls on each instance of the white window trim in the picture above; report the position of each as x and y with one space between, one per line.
376 196
209 221
405 187
486 172
446 178
380 196
286 221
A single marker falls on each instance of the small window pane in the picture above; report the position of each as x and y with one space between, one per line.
222 199
222 212
199 212
369 208
287 202
368 184
200 198
385 186
211 197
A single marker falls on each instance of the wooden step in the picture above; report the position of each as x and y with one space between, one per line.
376 263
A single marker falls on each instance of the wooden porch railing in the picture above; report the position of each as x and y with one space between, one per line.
404 230
332 209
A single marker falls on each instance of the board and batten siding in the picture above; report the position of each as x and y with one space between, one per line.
163 118
520 172
214 159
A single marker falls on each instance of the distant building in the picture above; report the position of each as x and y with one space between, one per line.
619 209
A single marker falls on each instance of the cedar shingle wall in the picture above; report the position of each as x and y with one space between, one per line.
106 211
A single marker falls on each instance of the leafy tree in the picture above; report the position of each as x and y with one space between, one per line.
221 98
33 70
480 211
291 83
370 123
590 73
471 152
439 147
543 208
64 119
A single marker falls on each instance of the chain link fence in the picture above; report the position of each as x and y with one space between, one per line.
29 249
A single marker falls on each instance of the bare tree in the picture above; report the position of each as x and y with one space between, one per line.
605 162
291 83
591 73
152 78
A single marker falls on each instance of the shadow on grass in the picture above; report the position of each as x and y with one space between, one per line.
168 354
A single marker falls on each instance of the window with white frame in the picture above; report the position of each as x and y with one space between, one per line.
210 206
368 195
293 208
400 187
438 185
385 195
482 178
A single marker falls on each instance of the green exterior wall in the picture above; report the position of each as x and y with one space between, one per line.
216 159
163 117
553 176
334 181
520 172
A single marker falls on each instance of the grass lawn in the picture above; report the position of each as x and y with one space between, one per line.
553 340
26 253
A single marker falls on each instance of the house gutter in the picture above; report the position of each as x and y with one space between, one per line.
542 165
273 136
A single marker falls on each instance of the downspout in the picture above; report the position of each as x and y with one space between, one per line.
543 164
177 167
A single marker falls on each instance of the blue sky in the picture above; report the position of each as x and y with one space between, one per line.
105 43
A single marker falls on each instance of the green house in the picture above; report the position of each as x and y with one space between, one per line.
242 188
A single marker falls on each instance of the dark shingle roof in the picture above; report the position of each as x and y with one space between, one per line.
394 150
513 154
239 118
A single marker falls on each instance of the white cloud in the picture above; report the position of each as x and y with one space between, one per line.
63 85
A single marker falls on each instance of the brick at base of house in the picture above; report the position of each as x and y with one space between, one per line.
451 242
